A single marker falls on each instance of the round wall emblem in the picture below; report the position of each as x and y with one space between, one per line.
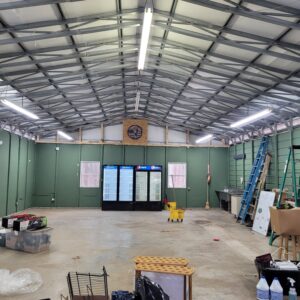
135 132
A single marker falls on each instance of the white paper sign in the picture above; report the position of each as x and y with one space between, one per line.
90 174
177 175
262 216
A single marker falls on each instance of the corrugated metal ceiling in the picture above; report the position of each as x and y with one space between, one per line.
209 63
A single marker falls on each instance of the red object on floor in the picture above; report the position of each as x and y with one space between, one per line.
216 239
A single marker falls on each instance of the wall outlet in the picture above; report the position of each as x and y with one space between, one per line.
57 148
1 143
53 200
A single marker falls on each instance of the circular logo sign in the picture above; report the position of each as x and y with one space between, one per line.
135 132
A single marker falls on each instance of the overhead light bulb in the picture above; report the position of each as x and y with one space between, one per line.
20 109
204 138
64 135
137 100
251 118
145 34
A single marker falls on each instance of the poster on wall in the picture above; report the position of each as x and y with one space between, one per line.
177 175
262 216
89 174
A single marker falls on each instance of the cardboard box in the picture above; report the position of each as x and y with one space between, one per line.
284 194
285 221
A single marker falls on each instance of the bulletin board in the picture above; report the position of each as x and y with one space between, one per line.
177 175
90 174
262 216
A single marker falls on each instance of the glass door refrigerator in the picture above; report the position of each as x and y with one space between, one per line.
148 187
118 187
109 186
126 183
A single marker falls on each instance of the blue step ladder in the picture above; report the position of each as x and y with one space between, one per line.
253 179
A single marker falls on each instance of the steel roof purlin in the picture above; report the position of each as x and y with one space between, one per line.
209 63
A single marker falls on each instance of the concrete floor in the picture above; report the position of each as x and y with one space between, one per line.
86 239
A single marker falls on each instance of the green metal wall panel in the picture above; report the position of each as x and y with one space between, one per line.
219 173
4 168
176 155
67 191
13 174
30 178
113 155
134 155
232 167
284 142
248 148
90 197
197 167
67 176
157 156
22 175
240 167
271 180
278 147
45 170
296 141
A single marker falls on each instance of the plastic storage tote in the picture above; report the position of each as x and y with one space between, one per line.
29 241
3 237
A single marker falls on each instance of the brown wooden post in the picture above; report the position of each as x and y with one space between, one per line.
80 135
102 133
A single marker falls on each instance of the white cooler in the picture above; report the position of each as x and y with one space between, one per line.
235 204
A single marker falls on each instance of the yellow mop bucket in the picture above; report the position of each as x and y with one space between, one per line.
171 205
176 215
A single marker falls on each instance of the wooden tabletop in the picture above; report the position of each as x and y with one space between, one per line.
168 269
161 260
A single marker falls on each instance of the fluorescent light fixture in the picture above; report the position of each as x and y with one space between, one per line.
64 135
20 109
251 118
205 138
137 100
145 34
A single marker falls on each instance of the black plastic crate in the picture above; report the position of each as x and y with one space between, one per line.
122 295
282 276
263 265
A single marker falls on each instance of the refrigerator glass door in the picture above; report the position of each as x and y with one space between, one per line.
141 186
155 186
110 179
126 183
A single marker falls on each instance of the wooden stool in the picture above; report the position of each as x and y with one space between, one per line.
295 246
185 271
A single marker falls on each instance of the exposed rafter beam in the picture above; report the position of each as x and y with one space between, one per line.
237 10
30 3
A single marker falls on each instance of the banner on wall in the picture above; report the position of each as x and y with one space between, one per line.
177 175
90 174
